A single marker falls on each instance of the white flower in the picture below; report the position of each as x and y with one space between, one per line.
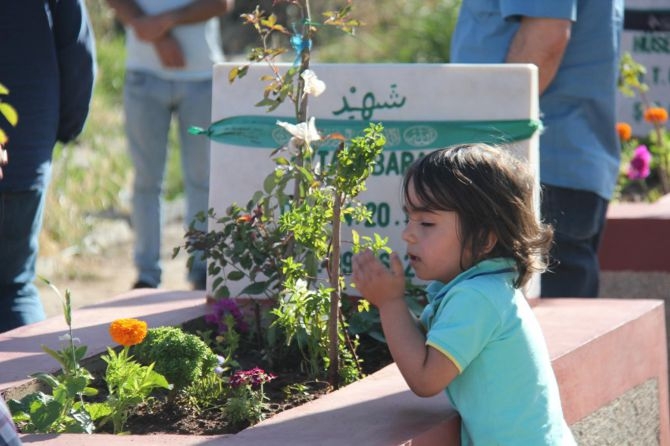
66 338
303 133
313 85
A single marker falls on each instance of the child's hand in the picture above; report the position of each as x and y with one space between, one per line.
375 282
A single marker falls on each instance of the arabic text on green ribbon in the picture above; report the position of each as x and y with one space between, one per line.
263 132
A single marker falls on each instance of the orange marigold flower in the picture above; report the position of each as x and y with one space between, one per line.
128 332
624 130
656 115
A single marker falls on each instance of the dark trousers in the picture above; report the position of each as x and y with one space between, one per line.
578 218
20 224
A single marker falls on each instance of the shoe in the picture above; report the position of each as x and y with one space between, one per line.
200 284
143 284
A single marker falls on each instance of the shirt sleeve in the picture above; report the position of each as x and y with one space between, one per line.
463 326
554 9
75 47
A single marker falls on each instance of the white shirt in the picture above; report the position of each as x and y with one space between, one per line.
200 43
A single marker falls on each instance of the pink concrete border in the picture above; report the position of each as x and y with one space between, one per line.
20 351
636 237
600 348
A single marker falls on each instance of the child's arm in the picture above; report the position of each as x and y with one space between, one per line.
426 370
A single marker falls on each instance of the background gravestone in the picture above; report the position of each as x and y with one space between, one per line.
646 37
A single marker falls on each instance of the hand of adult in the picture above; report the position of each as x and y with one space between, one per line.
151 28
169 52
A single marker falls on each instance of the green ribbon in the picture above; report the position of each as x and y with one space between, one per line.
263 132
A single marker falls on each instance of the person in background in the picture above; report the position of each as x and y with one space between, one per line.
575 45
472 232
48 65
171 46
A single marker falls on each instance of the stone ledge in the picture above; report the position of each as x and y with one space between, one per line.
600 348
636 237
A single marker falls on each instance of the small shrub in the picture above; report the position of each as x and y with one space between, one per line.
181 357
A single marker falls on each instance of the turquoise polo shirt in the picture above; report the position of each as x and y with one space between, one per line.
506 392
579 148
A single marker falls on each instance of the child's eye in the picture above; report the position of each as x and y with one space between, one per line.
427 224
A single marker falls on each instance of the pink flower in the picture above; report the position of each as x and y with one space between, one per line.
220 309
255 377
638 169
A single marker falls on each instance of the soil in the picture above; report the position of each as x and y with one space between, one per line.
179 417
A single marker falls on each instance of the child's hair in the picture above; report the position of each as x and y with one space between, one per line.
491 192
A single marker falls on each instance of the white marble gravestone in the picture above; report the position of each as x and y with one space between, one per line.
374 92
646 37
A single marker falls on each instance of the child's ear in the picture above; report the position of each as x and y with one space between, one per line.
491 240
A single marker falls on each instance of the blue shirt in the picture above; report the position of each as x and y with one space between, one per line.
47 61
506 392
579 148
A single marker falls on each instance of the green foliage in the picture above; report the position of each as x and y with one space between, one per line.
297 216
631 83
129 384
181 357
247 401
403 31
63 410
11 116
302 314
207 393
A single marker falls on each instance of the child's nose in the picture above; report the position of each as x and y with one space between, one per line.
407 234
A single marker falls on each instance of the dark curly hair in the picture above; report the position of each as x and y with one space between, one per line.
491 192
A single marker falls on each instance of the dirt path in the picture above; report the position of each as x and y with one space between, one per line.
105 268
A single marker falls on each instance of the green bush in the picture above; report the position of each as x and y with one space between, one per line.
179 356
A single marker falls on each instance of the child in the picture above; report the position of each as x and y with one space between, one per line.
472 232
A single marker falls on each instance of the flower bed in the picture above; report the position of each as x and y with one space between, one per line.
136 397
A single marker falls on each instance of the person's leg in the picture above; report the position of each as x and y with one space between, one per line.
195 99
20 224
148 113
578 218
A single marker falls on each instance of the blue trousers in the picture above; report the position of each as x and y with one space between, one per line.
20 224
578 218
149 105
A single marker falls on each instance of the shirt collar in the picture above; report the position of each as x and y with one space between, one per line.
436 289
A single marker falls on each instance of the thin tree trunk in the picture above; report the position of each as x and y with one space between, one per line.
334 276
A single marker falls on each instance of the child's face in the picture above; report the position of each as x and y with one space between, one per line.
433 244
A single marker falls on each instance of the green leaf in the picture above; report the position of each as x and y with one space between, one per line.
57 355
46 379
255 288
44 412
223 292
99 410
235 275
9 113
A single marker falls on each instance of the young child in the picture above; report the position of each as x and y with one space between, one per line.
472 232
